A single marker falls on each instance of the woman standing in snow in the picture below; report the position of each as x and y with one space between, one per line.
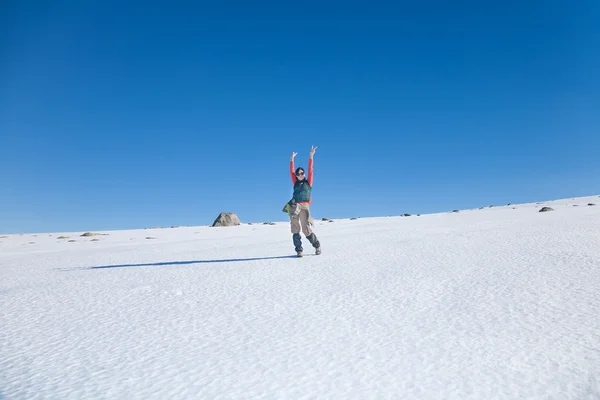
299 209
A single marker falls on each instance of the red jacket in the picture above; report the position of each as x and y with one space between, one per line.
309 176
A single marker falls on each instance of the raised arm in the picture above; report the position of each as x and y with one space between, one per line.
310 165
293 169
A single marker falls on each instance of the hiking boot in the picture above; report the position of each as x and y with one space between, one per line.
299 254
318 251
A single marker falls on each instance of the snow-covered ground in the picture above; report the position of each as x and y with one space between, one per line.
498 303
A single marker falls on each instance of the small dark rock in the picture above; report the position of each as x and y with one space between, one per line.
455 211
150 237
406 215
591 204
95 240
352 219
545 209
71 241
325 219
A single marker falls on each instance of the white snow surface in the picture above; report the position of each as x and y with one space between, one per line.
494 303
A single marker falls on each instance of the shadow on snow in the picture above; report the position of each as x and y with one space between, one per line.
162 264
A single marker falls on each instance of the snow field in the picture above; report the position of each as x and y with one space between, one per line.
498 303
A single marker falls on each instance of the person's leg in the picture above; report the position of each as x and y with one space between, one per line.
295 226
308 232
303 217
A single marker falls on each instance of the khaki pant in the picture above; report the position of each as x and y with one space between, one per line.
300 219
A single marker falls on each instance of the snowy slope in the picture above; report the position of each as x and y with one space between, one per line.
498 303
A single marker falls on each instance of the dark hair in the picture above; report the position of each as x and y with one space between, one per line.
299 169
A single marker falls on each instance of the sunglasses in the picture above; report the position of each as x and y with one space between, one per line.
300 173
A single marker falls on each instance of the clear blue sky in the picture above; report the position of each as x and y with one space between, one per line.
119 115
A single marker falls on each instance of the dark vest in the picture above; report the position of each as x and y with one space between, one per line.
302 191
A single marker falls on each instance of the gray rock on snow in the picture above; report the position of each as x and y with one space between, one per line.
545 209
227 219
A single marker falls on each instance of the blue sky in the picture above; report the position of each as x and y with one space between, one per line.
119 116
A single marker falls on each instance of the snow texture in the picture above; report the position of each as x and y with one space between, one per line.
497 303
